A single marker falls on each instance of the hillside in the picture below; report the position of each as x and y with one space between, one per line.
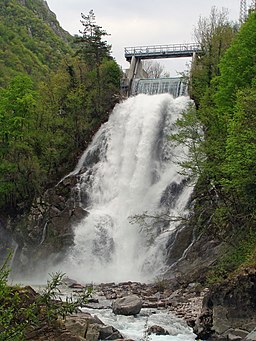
31 39
53 97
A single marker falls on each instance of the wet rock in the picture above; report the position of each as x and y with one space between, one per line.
109 333
91 328
76 286
129 305
203 324
47 230
157 330
69 281
201 253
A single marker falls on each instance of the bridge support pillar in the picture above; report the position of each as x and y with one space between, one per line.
135 72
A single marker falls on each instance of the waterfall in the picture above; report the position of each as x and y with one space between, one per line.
130 168
174 86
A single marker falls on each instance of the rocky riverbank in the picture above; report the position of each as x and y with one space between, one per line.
184 303
227 311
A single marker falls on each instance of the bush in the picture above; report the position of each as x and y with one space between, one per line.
22 309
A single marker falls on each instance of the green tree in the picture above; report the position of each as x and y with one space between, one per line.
240 164
20 166
238 67
214 34
94 48
190 135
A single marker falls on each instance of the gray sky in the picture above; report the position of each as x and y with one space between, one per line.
142 22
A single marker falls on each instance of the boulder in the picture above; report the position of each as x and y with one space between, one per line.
91 328
109 333
129 305
157 330
93 332
229 309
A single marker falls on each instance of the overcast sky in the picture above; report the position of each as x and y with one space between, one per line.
141 22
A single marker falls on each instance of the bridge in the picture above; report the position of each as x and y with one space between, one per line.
134 55
162 51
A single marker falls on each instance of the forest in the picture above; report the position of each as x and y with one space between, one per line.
56 90
221 133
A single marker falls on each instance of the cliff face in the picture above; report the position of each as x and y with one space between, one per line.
46 232
229 310
41 9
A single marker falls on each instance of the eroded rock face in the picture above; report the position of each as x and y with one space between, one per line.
6 239
190 256
129 305
229 311
47 231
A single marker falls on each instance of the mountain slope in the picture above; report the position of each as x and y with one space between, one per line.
31 39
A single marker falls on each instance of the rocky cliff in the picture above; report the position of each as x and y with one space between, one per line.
41 9
46 232
229 309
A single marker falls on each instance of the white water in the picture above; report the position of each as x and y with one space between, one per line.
137 164
135 327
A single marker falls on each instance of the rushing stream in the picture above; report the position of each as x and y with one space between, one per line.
129 169
135 327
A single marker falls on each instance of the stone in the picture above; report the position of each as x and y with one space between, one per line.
231 309
68 337
91 328
157 330
203 323
239 333
76 286
78 328
129 305
251 336
69 281
93 332
232 337
220 320
109 333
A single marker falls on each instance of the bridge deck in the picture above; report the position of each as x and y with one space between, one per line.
162 51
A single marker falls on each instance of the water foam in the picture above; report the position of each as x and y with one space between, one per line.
125 172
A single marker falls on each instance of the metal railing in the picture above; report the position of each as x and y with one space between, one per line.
158 51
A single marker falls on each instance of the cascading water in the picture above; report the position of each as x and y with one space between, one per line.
131 167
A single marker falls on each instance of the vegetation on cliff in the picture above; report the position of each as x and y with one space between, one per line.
223 85
53 96
29 42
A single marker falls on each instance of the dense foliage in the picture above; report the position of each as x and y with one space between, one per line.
54 94
28 40
22 310
224 89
